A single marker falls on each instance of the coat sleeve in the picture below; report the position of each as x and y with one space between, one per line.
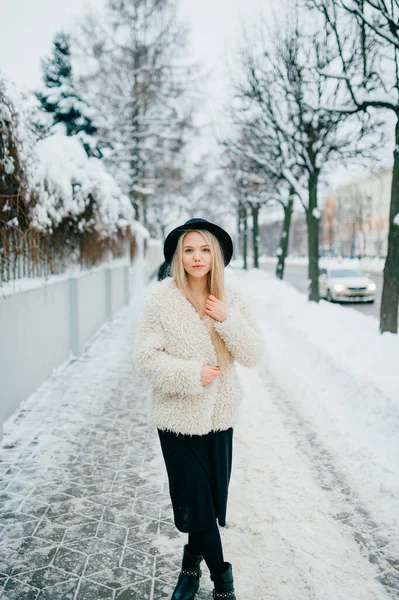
169 374
241 334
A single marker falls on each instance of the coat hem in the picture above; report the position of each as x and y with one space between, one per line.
191 433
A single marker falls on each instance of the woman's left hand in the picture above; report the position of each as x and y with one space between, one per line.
215 308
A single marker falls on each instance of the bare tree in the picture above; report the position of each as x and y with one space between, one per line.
287 204
366 41
278 86
251 185
138 77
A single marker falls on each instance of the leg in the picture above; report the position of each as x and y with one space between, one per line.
209 545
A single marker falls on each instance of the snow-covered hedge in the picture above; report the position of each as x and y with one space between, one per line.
70 185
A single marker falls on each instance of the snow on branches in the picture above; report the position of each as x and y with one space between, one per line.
71 186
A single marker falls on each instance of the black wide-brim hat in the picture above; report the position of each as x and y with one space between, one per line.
225 241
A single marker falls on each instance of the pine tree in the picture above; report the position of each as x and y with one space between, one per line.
62 105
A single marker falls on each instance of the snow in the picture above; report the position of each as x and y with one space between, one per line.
140 230
155 243
8 164
67 180
316 213
396 219
313 501
145 191
372 265
282 539
340 375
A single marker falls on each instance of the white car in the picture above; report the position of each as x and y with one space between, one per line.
346 285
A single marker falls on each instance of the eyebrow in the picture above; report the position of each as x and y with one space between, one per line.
203 246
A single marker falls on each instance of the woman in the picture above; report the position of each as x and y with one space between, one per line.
192 330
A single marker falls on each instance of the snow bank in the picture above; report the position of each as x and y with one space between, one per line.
341 375
281 535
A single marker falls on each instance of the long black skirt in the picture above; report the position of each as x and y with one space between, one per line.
199 468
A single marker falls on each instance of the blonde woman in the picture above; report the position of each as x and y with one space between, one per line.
193 329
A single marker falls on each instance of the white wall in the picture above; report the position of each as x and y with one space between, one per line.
41 327
154 255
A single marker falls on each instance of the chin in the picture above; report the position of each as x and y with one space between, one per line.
199 272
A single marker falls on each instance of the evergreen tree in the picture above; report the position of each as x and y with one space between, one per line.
61 104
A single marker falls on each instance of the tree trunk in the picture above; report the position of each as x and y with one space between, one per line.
245 238
255 235
144 211
284 239
312 218
237 245
390 288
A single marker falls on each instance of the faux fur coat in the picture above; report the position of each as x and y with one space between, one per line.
172 345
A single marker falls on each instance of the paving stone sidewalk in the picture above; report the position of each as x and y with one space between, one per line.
84 504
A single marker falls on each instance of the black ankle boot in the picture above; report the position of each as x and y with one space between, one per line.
189 578
224 584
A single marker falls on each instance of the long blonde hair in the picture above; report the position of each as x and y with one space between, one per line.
215 284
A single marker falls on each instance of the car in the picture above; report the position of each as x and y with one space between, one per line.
342 284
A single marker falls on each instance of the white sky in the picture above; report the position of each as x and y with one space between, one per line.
27 28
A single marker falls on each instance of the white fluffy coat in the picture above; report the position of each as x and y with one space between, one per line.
173 344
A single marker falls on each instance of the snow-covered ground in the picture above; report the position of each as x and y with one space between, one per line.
313 508
320 427
373 265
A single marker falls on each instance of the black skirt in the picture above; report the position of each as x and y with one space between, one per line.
199 468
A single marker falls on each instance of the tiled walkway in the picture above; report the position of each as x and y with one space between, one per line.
84 504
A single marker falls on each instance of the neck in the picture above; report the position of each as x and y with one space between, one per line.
198 286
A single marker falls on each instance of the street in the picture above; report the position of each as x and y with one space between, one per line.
297 276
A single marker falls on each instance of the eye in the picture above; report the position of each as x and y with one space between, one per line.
188 250
206 249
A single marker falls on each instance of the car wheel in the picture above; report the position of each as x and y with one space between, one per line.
329 296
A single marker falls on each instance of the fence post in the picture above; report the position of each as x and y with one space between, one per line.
74 316
127 284
108 292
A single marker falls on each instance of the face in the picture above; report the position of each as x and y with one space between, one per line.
196 255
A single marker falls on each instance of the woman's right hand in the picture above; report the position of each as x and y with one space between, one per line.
208 374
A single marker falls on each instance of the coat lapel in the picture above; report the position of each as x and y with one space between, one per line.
194 327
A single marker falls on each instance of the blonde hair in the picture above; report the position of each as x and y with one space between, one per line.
215 284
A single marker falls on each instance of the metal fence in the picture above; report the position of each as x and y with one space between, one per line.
31 254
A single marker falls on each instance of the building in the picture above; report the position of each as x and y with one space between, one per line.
355 218
329 226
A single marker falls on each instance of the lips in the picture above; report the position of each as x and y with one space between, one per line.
198 266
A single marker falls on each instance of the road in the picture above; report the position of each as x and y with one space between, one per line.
297 276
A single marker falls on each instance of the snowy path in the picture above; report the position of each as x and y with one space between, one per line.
84 510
